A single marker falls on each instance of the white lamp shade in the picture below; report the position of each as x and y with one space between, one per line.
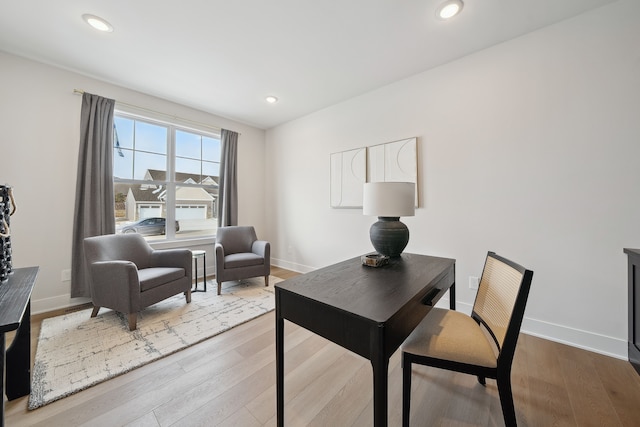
389 199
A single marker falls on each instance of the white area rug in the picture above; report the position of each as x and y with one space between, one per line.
76 352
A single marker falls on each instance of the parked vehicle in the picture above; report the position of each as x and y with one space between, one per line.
148 227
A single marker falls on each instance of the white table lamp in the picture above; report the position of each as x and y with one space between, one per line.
389 201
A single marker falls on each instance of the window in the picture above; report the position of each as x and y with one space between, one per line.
164 173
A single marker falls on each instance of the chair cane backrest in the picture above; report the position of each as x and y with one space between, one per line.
501 298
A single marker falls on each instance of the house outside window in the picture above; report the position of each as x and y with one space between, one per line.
164 173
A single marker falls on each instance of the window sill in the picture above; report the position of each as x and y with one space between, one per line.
183 243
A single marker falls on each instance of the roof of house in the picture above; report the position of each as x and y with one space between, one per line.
158 175
155 193
147 194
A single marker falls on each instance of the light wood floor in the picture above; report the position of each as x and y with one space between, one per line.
229 380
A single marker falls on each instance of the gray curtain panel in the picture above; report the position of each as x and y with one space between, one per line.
228 185
94 209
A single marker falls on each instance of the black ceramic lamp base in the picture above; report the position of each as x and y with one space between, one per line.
389 236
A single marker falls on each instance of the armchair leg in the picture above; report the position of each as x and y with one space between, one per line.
94 313
188 296
133 320
219 286
266 280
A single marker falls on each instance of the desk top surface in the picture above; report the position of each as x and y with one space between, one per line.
375 293
14 297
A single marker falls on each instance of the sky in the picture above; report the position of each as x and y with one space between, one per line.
144 146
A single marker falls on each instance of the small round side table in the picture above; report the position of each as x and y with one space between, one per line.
200 254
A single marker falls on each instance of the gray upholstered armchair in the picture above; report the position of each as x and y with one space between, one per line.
128 275
240 255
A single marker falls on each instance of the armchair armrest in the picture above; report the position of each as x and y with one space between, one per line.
115 284
219 250
262 248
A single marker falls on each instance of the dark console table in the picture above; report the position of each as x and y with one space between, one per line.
15 314
634 307
367 310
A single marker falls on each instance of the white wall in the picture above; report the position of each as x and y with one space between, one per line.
39 137
529 148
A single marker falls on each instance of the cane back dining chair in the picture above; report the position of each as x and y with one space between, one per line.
482 344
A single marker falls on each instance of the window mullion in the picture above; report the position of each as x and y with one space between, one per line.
171 184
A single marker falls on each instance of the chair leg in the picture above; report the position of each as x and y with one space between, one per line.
482 380
506 400
266 280
219 287
94 313
406 390
133 320
187 295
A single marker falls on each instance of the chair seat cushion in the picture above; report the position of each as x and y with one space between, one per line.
451 335
157 276
243 259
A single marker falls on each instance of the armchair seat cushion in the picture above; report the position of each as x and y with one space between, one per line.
158 276
244 259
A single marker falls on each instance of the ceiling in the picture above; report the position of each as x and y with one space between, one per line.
226 56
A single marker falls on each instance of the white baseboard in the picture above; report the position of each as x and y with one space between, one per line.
59 302
298 268
591 341
598 343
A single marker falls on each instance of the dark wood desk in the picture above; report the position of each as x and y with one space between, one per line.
369 311
15 314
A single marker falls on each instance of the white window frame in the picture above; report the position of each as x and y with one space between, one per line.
173 124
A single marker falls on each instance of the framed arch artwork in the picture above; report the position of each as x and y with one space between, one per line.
348 175
389 162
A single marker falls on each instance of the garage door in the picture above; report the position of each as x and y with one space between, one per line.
149 211
191 212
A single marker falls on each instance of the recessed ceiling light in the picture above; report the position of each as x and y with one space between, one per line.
449 9
271 99
97 23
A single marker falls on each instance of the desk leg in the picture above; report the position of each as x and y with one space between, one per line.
380 365
19 359
279 368
452 296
